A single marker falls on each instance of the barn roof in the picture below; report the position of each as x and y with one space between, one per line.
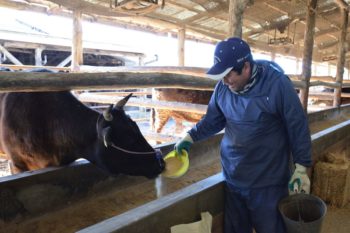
275 25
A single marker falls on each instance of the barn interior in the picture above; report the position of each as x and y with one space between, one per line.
312 32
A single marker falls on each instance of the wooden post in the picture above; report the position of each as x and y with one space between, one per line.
77 45
297 62
235 17
141 61
38 58
341 57
314 67
308 47
273 56
181 46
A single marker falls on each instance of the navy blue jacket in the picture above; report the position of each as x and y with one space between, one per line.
262 128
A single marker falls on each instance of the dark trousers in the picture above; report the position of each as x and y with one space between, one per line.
246 209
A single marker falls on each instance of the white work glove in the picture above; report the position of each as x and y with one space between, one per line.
184 144
300 182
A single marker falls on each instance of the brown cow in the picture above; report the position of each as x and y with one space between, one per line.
160 116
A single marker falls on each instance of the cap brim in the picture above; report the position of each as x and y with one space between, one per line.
213 74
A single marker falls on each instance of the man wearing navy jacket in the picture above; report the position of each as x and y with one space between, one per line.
264 122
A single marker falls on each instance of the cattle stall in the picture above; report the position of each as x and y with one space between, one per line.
185 205
72 198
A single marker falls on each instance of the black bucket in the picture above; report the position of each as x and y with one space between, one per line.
302 213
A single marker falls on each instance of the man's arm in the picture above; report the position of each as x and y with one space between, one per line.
212 122
296 123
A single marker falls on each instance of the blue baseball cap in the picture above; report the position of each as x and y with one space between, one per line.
229 54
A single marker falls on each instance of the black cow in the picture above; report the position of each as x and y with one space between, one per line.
41 129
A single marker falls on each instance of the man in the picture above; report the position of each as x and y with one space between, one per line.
264 122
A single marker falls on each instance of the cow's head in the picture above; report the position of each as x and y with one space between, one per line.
122 148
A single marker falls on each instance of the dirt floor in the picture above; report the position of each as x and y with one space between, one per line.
99 207
337 220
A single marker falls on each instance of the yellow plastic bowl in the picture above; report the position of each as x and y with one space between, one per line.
176 165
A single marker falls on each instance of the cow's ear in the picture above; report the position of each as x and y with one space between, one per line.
107 114
106 135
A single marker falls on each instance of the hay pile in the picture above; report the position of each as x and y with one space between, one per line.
331 180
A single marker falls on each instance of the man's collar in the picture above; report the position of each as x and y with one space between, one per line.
251 82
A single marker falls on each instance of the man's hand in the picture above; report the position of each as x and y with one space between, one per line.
184 144
300 181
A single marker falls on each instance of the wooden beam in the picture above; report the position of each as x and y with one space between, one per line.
276 8
212 33
313 78
89 8
28 82
123 93
268 26
342 4
327 95
179 4
121 78
201 72
327 44
299 84
143 102
160 137
326 84
326 31
186 70
328 81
